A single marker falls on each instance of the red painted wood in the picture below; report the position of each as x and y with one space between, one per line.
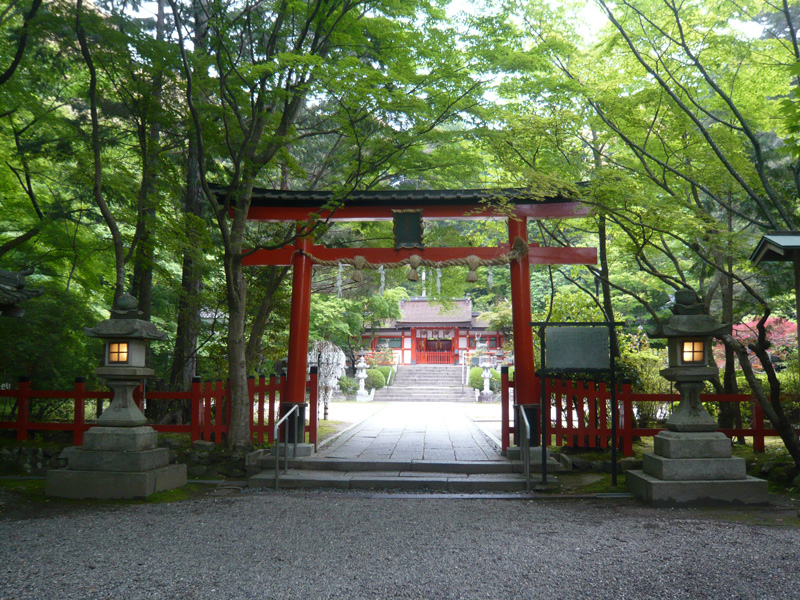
538 255
79 413
299 324
560 210
210 407
197 398
521 317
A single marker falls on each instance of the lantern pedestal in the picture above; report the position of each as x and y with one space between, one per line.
123 411
120 457
116 462
694 469
690 415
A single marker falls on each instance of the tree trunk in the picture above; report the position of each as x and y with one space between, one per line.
771 406
239 437
730 413
184 360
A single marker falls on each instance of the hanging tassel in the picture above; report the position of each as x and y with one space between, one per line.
339 281
438 280
473 262
414 262
519 249
490 278
383 279
358 263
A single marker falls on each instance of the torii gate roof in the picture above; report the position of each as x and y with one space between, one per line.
361 205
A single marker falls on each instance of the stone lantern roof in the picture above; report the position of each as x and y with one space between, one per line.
688 319
125 324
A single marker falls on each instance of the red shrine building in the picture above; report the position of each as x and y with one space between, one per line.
432 333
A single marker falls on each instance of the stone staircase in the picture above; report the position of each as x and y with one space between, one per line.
464 477
426 383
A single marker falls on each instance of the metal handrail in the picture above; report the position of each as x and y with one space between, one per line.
295 408
525 446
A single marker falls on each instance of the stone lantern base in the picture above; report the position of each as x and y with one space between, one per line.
116 462
689 468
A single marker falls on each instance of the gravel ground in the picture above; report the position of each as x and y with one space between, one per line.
317 545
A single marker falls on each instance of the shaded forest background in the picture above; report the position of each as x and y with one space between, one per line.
676 121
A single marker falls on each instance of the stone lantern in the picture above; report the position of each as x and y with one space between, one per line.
691 363
126 337
692 463
120 457
486 372
361 375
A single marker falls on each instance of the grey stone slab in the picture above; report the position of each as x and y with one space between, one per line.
389 483
97 460
302 450
325 479
674 444
354 465
67 483
432 475
470 484
407 456
691 469
471 457
123 439
657 492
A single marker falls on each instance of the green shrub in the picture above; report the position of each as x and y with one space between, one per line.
387 373
348 385
375 379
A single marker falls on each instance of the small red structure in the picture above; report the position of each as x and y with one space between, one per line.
514 206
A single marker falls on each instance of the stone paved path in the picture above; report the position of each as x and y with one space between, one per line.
415 431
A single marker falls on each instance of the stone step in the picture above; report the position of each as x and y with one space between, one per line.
484 467
393 480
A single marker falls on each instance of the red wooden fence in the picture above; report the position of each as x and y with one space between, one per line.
580 414
210 409
425 357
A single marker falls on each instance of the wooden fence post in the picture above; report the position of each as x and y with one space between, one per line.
79 420
23 407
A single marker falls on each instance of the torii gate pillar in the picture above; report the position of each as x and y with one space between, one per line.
299 323
520 272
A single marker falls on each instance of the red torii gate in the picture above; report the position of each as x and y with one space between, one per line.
517 206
